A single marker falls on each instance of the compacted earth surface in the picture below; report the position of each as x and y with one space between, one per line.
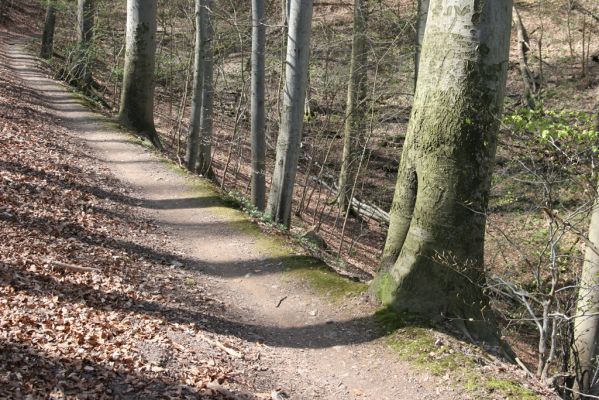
123 277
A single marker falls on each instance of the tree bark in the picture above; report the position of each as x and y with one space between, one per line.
137 97
191 154
48 35
433 258
523 48
586 326
204 162
258 190
85 34
355 106
420 29
292 116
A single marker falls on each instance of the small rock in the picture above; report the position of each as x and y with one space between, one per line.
313 313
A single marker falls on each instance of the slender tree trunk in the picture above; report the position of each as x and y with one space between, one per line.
586 327
137 97
292 116
191 155
204 162
523 48
48 36
354 111
433 259
257 106
420 29
85 34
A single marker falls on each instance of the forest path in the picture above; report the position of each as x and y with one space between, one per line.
313 347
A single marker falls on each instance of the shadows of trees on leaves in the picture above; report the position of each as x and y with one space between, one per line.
315 336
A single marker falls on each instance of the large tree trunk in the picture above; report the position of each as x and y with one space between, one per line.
191 155
420 29
586 326
258 139
85 34
355 106
292 116
48 36
204 163
137 98
433 259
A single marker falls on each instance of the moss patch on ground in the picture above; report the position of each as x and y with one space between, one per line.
442 355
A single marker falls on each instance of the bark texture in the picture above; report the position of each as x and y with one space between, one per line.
433 258
48 35
137 98
191 154
586 327
204 162
292 114
257 105
355 106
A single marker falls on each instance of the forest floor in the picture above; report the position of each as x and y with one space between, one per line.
167 291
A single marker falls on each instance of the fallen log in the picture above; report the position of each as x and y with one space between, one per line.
363 209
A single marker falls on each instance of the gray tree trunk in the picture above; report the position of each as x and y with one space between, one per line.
257 106
85 34
433 258
292 115
204 162
137 98
48 36
355 106
191 155
586 326
523 48
420 29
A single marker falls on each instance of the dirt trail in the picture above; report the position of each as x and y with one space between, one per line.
313 348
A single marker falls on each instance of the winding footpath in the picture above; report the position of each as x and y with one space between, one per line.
313 347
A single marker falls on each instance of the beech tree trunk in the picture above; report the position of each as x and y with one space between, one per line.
257 105
355 106
85 34
137 98
292 115
420 29
204 162
433 259
191 155
48 35
586 326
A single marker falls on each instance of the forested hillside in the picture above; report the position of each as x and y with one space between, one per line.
440 155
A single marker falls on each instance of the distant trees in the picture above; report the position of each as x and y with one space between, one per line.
292 117
421 17
137 97
258 188
47 49
433 258
355 106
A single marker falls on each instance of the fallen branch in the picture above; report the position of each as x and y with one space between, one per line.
216 343
576 6
72 267
363 209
